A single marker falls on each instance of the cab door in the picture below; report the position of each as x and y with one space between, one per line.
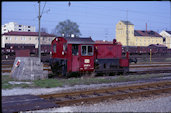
87 58
75 58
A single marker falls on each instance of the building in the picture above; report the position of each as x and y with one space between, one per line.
16 37
167 36
136 37
12 26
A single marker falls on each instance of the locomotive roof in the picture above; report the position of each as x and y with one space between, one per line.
79 40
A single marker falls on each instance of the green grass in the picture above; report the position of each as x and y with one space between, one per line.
6 85
52 82
48 83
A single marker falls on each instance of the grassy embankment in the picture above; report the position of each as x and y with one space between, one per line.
50 83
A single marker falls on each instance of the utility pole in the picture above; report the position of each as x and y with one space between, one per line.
127 31
170 15
69 3
39 46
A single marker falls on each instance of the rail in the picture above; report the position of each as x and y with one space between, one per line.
70 98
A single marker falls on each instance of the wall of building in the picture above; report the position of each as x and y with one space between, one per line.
134 40
25 40
121 33
12 26
146 41
168 38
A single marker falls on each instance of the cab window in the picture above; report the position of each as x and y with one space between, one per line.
83 50
87 50
74 49
54 48
64 46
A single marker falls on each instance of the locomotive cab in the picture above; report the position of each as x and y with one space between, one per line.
72 55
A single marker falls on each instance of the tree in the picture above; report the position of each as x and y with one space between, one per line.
43 30
67 28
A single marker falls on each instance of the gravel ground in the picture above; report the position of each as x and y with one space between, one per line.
160 103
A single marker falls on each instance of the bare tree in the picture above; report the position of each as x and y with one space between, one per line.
43 30
67 28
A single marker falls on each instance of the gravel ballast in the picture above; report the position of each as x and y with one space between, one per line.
150 104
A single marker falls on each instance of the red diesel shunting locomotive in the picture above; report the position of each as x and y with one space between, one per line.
84 55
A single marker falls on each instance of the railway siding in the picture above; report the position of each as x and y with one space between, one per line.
106 93
30 102
6 68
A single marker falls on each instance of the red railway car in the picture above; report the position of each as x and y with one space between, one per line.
81 55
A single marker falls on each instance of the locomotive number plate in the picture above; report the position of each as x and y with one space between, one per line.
86 60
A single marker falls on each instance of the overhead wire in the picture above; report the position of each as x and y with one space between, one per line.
92 24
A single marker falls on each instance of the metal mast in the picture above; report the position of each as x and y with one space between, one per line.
127 30
39 33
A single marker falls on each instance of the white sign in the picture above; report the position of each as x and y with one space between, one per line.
86 60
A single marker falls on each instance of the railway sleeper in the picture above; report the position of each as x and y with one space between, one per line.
109 92
155 93
83 95
145 95
97 94
142 88
69 97
122 91
133 90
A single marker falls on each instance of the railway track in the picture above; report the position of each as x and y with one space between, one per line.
91 96
37 102
6 68
137 69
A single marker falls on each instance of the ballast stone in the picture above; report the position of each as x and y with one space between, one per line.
30 68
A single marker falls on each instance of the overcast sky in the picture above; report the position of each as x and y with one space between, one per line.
96 19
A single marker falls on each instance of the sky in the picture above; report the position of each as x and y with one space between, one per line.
97 19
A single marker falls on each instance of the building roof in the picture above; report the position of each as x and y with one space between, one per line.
18 33
127 22
158 45
169 32
146 33
79 40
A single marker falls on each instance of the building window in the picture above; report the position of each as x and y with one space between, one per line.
6 38
30 38
29 30
28 26
15 38
20 25
19 29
